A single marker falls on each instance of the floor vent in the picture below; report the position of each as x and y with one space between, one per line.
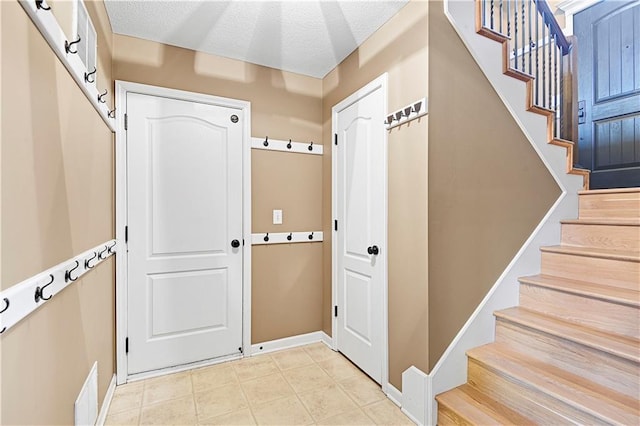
86 406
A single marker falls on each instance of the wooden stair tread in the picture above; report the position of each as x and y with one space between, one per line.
603 221
573 390
479 409
611 294
614 344
608 191
624 255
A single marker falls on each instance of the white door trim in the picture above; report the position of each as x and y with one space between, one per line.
380 82
122 88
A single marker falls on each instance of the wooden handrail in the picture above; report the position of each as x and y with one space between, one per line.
547 15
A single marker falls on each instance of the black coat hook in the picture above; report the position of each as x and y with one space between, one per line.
39 5
311 236
109 249
68 45
112 113
67 275
266 141
87 262
39 296
289 144
266 238
290 236
101 96
6 303
87 76
310 148
101 253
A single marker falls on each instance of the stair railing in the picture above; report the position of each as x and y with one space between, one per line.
539 51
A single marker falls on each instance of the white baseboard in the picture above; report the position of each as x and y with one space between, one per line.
106 403
288 342
415 386
327 340
394 395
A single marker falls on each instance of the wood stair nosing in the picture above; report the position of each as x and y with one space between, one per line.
611 371
612 344
475 408
610 221
609 191
600 253
574 393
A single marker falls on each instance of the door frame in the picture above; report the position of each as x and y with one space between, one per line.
121 299
382 83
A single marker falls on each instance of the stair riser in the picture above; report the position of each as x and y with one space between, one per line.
596 313
616 273
529 402
615 237
622 205
616 373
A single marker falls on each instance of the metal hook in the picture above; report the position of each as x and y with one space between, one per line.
310 148
266 141
112 113
67 45
110 247
101 254
87 262
417 106
266 238
290 236
390 119
311 236
40 6
38 296
289 144
101 96
407 111
67 275
6 302
87 75
398 115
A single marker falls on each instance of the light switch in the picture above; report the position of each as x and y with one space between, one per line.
277 217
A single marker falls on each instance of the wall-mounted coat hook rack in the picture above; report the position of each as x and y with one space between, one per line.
41 5
38 296
404 115
68 45
286 237
286 146
101 96
88 75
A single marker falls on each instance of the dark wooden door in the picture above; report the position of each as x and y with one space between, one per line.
609 86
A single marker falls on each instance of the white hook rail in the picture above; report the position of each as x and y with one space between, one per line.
286 237
286 146
409 113
52 32
20 300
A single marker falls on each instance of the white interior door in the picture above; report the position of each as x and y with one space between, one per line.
360 180
184 193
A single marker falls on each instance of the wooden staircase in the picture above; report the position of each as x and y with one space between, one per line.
570 353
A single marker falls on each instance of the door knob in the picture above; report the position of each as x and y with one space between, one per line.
235 243
373 250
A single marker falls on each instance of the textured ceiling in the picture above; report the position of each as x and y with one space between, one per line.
304 36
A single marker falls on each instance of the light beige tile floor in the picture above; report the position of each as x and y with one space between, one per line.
302 386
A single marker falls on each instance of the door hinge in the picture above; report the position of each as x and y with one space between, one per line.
126 345
126 234
126 121
335 138
335 225
335 311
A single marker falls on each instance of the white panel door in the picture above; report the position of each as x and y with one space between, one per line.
184 166
361 214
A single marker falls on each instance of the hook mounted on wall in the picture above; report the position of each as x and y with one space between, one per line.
101 96
68 45
110 248
266 238
266 141
39 290
101 253
112 113
87 76
6 306
310 148
311 236
40 5
290 236
289 144
87 262
67 275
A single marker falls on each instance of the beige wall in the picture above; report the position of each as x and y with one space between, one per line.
400 48
57 201
488 188
283 106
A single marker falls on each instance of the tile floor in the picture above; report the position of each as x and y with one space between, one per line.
302 386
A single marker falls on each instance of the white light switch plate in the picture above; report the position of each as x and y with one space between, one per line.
277 217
